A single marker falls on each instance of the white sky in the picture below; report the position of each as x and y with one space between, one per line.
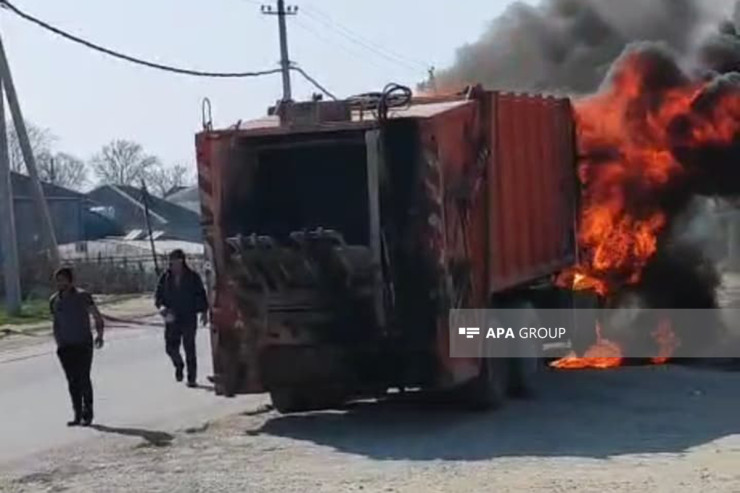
88 99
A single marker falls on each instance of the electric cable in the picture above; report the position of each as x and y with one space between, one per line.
168 68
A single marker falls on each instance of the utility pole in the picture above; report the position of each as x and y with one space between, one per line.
47 227
7 222
285 63
145 196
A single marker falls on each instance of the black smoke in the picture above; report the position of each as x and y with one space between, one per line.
579 47
568 46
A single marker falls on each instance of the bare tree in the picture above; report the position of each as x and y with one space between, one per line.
63 169
41 139
165 179
123 162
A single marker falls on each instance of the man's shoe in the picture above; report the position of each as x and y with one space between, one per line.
192 384
179 374
74 422
87 421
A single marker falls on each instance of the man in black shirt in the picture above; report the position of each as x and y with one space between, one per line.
71 309
180 297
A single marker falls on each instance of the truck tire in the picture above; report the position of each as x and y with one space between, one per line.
290 400
522 377
488 390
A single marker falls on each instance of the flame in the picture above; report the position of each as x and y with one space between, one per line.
667 341
603 354
627 138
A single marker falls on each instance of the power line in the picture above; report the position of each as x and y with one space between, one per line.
197 73
313 81
168 68
359 40
354 53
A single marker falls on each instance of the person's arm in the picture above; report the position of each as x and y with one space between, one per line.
99 321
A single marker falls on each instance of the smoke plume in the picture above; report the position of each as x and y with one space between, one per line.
568 46
658 117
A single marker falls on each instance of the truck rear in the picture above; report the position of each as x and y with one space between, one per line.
342 233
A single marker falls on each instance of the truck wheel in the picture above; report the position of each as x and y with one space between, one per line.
522 377
488 390
288 401
295 401
524 368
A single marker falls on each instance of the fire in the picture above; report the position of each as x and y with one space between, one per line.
603 354
627 136
636 138
667 341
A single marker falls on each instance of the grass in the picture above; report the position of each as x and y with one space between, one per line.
31 312
37 310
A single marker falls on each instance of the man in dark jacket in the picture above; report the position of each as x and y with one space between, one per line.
180 297
71 309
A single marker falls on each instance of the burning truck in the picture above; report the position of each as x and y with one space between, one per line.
341 234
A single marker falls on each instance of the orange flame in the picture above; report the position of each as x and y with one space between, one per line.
626 137
604 354
667 341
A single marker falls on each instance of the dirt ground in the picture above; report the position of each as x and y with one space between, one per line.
662 429
647 429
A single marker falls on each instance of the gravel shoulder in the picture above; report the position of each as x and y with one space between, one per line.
657 429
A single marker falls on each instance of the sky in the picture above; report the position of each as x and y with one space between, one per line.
87 99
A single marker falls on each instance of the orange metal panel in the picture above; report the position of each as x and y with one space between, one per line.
531 174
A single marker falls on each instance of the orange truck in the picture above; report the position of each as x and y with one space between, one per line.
341 233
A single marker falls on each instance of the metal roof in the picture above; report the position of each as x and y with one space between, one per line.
420 110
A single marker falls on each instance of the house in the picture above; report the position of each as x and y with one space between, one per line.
186 197
126 206
71 215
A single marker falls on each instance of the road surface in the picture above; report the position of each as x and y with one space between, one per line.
135 393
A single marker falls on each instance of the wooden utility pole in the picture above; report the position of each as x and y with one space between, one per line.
145 197
285 63
47 227
11 271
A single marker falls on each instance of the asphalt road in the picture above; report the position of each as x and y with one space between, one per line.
135 393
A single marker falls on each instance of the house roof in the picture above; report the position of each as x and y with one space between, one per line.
174 191
188 198
162 210
186 194
23 187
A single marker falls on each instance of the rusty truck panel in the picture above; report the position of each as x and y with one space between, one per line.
531 185
339 247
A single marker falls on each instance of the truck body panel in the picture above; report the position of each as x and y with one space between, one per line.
338 247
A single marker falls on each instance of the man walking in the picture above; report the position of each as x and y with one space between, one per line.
71 309
180 297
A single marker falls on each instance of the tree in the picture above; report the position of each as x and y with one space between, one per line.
123 162
41 139
63 170
165 179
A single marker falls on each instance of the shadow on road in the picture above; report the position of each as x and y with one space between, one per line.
592 414
208 388
155 438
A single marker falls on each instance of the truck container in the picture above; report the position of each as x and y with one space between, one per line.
341 233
